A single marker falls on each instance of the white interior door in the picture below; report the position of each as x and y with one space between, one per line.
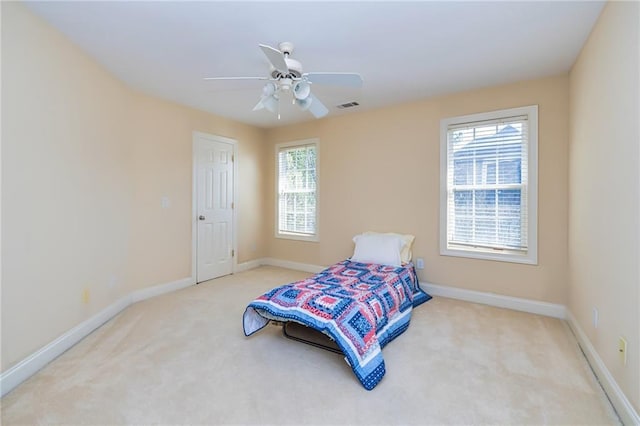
214 207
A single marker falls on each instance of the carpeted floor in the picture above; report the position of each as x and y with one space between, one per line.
183 358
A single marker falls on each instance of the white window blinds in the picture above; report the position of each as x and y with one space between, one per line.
297 190
488 185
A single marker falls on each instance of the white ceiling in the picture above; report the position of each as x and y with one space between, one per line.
404 50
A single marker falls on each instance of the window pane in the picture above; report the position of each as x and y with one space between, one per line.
510 171
485 232
463 229
510 224
485 203
509 203
463 170
463 203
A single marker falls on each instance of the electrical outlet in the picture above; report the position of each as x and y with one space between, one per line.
594 317
420 263
622 350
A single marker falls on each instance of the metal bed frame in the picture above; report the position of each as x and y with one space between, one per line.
301 333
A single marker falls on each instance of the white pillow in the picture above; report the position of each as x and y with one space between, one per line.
378 248
405 254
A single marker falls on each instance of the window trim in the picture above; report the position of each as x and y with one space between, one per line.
289 235
532 187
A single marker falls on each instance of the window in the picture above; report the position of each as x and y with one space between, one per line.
297 190
488 181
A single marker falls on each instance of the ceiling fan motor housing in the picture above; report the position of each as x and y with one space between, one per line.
295 70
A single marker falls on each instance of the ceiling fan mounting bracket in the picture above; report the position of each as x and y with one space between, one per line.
286 47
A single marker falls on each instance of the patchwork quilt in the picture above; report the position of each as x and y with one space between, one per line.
362 306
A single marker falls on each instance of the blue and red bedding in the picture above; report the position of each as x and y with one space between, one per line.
361 306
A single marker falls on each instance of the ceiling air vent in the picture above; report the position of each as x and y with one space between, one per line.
347 105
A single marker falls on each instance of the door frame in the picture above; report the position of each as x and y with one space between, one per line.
194 200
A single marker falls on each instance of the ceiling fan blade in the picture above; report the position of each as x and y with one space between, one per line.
347 79
236 78
316 107
259 105
276 58
270 102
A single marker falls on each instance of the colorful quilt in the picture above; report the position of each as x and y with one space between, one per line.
362 306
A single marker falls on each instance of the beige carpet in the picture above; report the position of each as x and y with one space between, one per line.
183 358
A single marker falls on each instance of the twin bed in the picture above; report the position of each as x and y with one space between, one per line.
361 303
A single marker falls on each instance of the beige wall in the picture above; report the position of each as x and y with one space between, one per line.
380 170
85 162
604 233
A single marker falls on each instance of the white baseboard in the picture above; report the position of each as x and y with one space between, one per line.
157 290
623 406
270 261
492 299
245 266
34 362
293 265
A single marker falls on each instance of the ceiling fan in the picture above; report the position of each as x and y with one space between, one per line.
286 78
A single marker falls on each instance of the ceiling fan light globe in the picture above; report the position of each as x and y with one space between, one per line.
271 104
269 89
305 103
301 90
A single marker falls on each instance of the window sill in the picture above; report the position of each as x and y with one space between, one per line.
528 259
297 237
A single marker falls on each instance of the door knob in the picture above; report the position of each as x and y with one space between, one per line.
201 217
